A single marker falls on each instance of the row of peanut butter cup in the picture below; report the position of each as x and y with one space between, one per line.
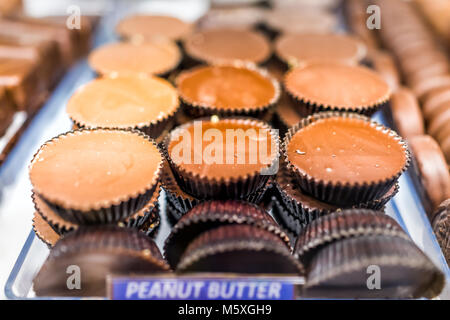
107 174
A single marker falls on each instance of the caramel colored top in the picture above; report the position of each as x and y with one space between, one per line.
336 85
345 150
125 58
226 87
123 102
228 45
301 21
148 27
87 170
201 148
44 230
298 49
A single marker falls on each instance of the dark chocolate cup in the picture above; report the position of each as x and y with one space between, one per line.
97 251
197 109
344 224
288 196
204 188
239 249
343 194
344 269
212 214
103 214
154 129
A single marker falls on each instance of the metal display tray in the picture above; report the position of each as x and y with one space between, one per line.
406 207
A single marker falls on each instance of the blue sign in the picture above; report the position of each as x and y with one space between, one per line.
201 289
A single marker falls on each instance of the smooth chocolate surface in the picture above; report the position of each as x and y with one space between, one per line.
123 58
89 169
123 102
228 45
298 49
339 86
246 158
149 27
226 87
406 113
433 169
344 150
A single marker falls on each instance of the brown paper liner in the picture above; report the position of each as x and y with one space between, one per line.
239 249
203 187
183 202
341 270
344 224
304 209
339 193
197 109
146 219
117 210
97 251
212 214
285 219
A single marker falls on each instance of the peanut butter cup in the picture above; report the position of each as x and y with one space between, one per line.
336 87
341 225
283 21
297 209
145 103
96 175
226 90
125 58
344 158
239 249
212 214
238 163
345 269
151 27
301 48
227 45
98 252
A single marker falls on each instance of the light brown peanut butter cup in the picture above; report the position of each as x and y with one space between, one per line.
298 49
227 90
126 58
227 45
336 87
150 27
96 175
235 166
344 158
146 103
